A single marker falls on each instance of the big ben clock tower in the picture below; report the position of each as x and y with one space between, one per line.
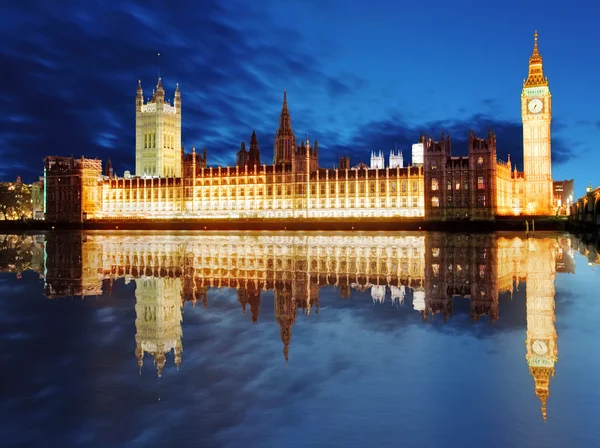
536 111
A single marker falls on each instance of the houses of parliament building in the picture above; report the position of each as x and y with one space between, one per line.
169 183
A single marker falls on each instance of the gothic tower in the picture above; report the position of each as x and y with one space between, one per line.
158 320
536 112
254 153
541 333
285 141
158 134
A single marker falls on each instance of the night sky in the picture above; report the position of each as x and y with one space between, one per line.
360 76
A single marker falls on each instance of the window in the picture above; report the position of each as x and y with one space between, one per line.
481 200
435 201
352 189
457 185
382 187
403 186
332 189
394 187
323 189
480 161
372 187
342 188
480 184
415 186
433 165
449 201
449 186
434 184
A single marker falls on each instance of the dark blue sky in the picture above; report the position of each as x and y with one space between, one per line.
360 75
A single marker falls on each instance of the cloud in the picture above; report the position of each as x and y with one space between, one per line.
70 81
386 133
71 78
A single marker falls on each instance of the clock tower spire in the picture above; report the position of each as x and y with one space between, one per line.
536 112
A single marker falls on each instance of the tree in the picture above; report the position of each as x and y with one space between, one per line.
15 201
8 201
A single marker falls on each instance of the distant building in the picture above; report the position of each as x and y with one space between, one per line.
396 159
563 192
15 200
37 198
72 188
344 163
417 154
377 160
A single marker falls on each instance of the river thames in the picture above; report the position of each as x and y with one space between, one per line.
271 339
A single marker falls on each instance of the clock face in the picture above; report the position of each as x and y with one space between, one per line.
540 347
535 106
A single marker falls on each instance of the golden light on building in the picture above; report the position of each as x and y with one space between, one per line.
169 184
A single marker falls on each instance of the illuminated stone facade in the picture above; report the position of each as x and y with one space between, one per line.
158 134
293 187
479 186
72 190
536 111
170 184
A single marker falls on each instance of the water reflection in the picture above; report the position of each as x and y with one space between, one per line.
433 269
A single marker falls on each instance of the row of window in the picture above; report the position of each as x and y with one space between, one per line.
150 140
393 185
458 201
433 163
457 184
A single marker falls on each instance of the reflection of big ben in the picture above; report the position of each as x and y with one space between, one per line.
541 333
158 320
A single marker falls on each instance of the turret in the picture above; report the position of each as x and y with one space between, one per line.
254 153
242 155
139 98
177 99
160 92
109 169
535 77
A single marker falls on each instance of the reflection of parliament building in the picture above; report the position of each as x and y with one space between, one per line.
171 269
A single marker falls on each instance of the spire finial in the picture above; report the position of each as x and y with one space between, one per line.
158 65
536 76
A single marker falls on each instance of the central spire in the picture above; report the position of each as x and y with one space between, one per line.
536 72
285 141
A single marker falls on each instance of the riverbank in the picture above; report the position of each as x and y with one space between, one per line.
359 224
